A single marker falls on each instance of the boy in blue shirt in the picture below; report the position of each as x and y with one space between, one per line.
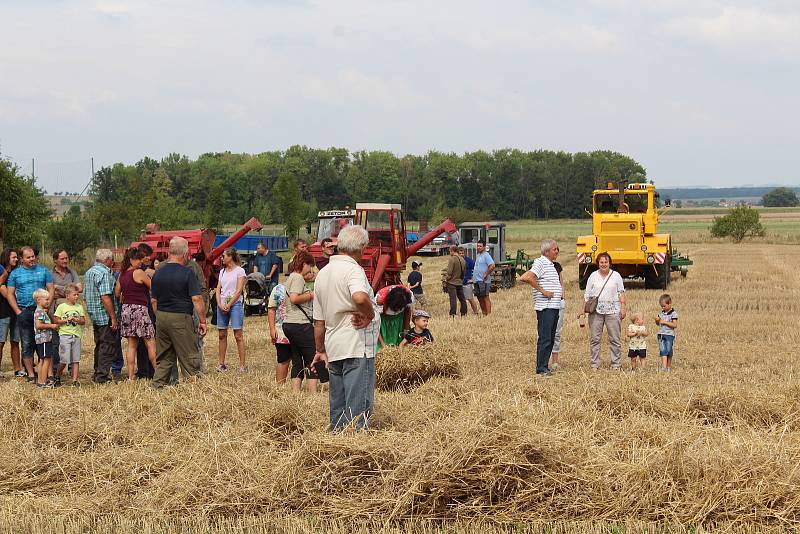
668 321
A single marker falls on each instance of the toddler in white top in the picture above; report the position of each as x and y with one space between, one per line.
637 341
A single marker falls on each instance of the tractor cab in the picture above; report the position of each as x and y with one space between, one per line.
492 232
386 228
330 223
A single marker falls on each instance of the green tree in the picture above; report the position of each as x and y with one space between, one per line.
740 222
290 204
74 233
216 201
780 197
24 211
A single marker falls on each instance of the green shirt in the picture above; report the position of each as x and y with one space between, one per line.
66 311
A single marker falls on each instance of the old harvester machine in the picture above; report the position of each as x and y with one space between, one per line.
385 257
201 245
625 224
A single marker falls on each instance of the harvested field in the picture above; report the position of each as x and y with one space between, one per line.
716 444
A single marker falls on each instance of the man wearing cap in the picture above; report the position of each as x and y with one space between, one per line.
415 285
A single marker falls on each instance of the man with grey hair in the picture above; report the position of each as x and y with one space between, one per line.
98 292
346 329
175 294
546 284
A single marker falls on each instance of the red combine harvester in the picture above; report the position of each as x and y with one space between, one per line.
385 257
201 244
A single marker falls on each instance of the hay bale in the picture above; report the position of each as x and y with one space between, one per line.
407 368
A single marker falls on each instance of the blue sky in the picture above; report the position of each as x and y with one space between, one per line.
700 92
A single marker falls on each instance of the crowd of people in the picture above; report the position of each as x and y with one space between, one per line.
325 322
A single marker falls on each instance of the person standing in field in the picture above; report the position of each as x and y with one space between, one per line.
415 285
607 285
63 275
176 295
469 281
298 324
328 248
346 329
454 281
637 341
98 294
482 273
8 319
133 290
43 328
546 282
276 315
266 263
667 320
554 364
70 318
145 369
230 307
21 284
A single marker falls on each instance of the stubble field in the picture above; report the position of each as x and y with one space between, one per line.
714 445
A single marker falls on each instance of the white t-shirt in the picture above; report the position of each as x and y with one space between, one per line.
227 282
637 342
333 303
608 303
549 280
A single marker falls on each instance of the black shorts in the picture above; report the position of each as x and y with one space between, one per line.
641 353
481 289
301 337
284 352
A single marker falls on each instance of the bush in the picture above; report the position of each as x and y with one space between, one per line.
74 233
740 222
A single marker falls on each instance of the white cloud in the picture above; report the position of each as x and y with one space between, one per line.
759 33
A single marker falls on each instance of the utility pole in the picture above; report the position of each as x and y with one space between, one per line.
33 168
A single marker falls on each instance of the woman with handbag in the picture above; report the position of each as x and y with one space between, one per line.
604 301
298 325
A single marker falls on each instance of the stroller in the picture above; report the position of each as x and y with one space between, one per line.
256 293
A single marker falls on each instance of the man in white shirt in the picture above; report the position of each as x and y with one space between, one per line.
346 329
546 284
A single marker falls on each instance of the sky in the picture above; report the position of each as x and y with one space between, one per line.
700 92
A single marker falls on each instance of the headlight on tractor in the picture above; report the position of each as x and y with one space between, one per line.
588 258
644 248
651 259
594 248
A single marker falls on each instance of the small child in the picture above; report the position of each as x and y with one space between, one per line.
415 285
637 341
43 335
668 321
419 335
70 318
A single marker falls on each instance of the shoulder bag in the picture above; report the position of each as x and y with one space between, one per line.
591 304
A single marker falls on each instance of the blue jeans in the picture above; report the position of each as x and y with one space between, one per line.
352 392
26 334
665 345
546 323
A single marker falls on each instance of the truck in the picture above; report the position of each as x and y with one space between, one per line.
625 225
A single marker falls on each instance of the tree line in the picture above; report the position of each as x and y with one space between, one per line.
289 187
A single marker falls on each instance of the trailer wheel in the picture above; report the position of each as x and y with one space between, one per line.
684 270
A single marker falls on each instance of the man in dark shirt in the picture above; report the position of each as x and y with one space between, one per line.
266 263
328 249
176 294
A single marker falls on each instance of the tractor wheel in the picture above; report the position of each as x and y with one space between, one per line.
658 279
583 279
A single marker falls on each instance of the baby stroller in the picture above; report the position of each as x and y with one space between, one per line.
255 294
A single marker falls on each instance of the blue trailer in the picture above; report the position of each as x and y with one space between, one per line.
247 244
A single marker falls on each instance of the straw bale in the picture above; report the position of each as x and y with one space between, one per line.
403 369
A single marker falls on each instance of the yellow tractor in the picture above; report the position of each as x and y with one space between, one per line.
625 224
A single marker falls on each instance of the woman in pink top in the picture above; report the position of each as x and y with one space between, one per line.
133 290
230 309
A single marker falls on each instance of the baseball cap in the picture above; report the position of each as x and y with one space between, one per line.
421 313
415 264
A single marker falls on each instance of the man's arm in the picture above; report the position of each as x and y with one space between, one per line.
12 299
272 271
533 281
200 309
108 304
52 290
488 271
